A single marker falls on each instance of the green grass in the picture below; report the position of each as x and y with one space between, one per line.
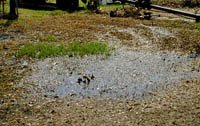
112 7
28 13
41 50
46 38
198 25
44 49
49 38
92 48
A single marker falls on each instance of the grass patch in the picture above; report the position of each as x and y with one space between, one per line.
45 38
198 25
92 48
112 7
41 50
40 13
49 38
44 49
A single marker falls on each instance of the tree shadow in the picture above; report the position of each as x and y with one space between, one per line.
9 22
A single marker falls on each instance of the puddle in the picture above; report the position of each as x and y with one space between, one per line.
124 75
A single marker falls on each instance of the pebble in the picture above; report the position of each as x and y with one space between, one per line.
25 64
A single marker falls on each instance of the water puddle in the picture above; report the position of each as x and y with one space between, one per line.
124 75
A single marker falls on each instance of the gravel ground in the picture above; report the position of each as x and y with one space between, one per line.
126 74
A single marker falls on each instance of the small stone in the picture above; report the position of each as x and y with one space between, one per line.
56 96
25 64
10 62
53 111
52 91
73 94
130 107
164 59
55 63
193 55
12 100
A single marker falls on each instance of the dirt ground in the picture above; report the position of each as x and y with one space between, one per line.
178 105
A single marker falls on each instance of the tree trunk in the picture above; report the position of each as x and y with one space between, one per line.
13 9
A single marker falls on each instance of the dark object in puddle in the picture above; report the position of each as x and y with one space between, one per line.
85 79
92 77
79 80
